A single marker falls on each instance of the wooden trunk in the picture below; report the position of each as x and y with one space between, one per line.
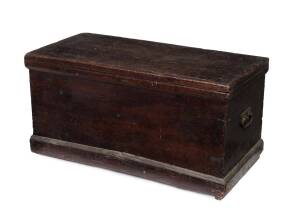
178 115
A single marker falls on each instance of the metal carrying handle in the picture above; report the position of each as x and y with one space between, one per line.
246 118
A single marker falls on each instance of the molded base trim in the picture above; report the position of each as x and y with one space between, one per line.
147 168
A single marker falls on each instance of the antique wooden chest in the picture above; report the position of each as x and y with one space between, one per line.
182 116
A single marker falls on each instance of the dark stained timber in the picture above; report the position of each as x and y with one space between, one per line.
182 116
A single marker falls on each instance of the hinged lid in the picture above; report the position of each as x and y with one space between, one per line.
145 61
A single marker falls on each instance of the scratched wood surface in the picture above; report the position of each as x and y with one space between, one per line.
172 104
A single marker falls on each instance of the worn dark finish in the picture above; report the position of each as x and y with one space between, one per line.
179 115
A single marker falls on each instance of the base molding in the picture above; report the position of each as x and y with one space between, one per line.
147 168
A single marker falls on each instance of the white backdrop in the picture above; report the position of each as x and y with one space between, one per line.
38 187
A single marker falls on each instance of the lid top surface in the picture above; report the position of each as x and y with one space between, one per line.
218 68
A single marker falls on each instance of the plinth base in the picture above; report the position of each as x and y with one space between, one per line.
147 168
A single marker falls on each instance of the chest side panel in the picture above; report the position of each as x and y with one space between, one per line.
183 130
244 121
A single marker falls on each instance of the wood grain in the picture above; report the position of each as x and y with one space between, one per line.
172 105
147 168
